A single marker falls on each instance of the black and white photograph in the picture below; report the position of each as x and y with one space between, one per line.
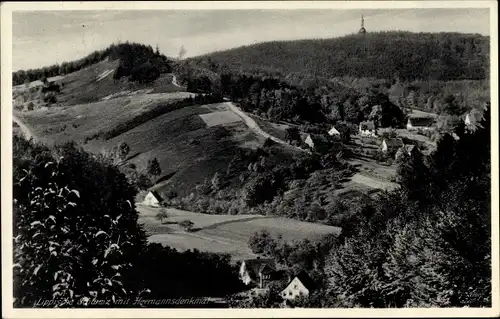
288 156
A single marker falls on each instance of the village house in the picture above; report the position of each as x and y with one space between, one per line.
317 142
300 285
472 119
406 150
423 123
152 199
367 129
333 132
258 271
391 145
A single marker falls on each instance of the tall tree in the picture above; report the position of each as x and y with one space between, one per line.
154 167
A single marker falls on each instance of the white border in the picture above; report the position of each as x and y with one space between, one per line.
6 145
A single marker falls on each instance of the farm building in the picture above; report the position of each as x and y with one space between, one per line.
152 199
258 271
472 119
317 142
333 132
391 144
406 150
423 123
301 285
367 129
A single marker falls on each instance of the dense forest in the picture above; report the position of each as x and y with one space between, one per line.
279 101
387 55
139 61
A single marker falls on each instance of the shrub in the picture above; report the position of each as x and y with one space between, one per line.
70 241
162 215
187 224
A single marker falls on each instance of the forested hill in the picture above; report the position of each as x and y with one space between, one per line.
139 61
406 55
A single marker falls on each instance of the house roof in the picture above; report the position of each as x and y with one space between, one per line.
421 121
155 194
475 116
305 279
255 266
368 125
333 131
317 138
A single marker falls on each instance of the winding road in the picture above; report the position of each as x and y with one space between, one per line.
175 83
250 122
28 134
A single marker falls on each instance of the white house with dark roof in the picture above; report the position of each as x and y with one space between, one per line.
300 285
152 199
367 129
333 131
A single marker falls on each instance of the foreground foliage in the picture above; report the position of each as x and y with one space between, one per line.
427 244
77 241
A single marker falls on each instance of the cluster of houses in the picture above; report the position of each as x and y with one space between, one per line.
369 129
260 272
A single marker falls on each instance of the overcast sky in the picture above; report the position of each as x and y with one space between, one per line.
47 37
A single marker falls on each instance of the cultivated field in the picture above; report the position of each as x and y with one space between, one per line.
225 233
219 118
76 122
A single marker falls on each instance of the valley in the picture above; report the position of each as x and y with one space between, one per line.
350 171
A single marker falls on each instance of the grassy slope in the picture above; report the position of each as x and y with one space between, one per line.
79 121
184 145
225 233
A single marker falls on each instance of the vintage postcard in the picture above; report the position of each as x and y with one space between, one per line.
249 159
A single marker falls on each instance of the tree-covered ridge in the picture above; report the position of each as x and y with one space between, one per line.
138 60
405 55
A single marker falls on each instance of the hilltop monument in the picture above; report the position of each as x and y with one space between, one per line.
362 30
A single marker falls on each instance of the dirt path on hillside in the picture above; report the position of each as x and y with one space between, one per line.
175 83
256 128
104 75
28 134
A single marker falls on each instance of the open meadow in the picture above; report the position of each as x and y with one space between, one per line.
76 122
224 233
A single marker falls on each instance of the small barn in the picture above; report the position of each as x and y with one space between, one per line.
391 145
333 131
152 199
300 285
423 123
367 129
317 142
